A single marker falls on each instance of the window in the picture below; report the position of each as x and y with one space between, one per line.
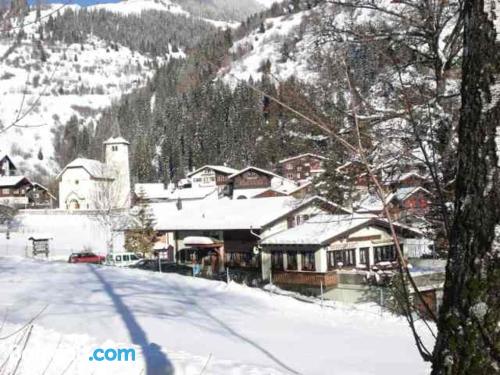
308 261
291 261
385 253
5 191
134 257
289 166
126 258
363 256
77 182
252 175
118 258
114 148
277 260
221 178
341 258
241 259
299 168
289 176
301 219
207 180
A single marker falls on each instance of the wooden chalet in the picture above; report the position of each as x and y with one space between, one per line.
235 226
253 182
301 167
321 249
14 191
210 176
402 203
40 197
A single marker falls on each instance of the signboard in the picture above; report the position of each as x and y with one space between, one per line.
40 247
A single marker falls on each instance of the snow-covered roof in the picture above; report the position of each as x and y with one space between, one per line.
116 140
159 192
301 156
94 168
151 190
318 230
5 156
34 184
227 214
403 193
404 176
218 168
248 193
323 229
6 181
279 184
372 203
194 193
249 168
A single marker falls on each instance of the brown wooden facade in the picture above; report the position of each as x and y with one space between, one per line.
251 178
301 167
416 204
18 190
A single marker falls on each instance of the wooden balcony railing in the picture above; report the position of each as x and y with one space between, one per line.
328 279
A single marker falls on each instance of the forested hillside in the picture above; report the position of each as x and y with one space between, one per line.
320 57
186 116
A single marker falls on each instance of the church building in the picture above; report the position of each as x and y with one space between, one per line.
87 184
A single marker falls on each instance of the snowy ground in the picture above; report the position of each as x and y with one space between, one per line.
186 325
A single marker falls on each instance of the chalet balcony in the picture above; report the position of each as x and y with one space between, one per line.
310 279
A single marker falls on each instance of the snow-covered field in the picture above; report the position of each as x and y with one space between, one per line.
186 325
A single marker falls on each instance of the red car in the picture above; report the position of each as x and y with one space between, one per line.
86 258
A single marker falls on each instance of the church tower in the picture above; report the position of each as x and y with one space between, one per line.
116 159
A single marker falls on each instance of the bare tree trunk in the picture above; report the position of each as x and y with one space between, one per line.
469 335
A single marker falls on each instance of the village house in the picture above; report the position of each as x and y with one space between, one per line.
13 191
403 203
253 182
40 197
86 184
301 167
228 230
339 254
211 176
19 191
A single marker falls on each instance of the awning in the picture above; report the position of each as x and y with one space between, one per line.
202 242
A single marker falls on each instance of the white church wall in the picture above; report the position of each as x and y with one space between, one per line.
77 181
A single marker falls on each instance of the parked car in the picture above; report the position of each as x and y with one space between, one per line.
86 257
122 259
146 264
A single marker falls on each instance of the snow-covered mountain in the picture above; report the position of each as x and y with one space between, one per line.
39 93
213 11
138 6
266 44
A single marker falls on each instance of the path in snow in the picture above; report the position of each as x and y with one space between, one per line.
247 331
